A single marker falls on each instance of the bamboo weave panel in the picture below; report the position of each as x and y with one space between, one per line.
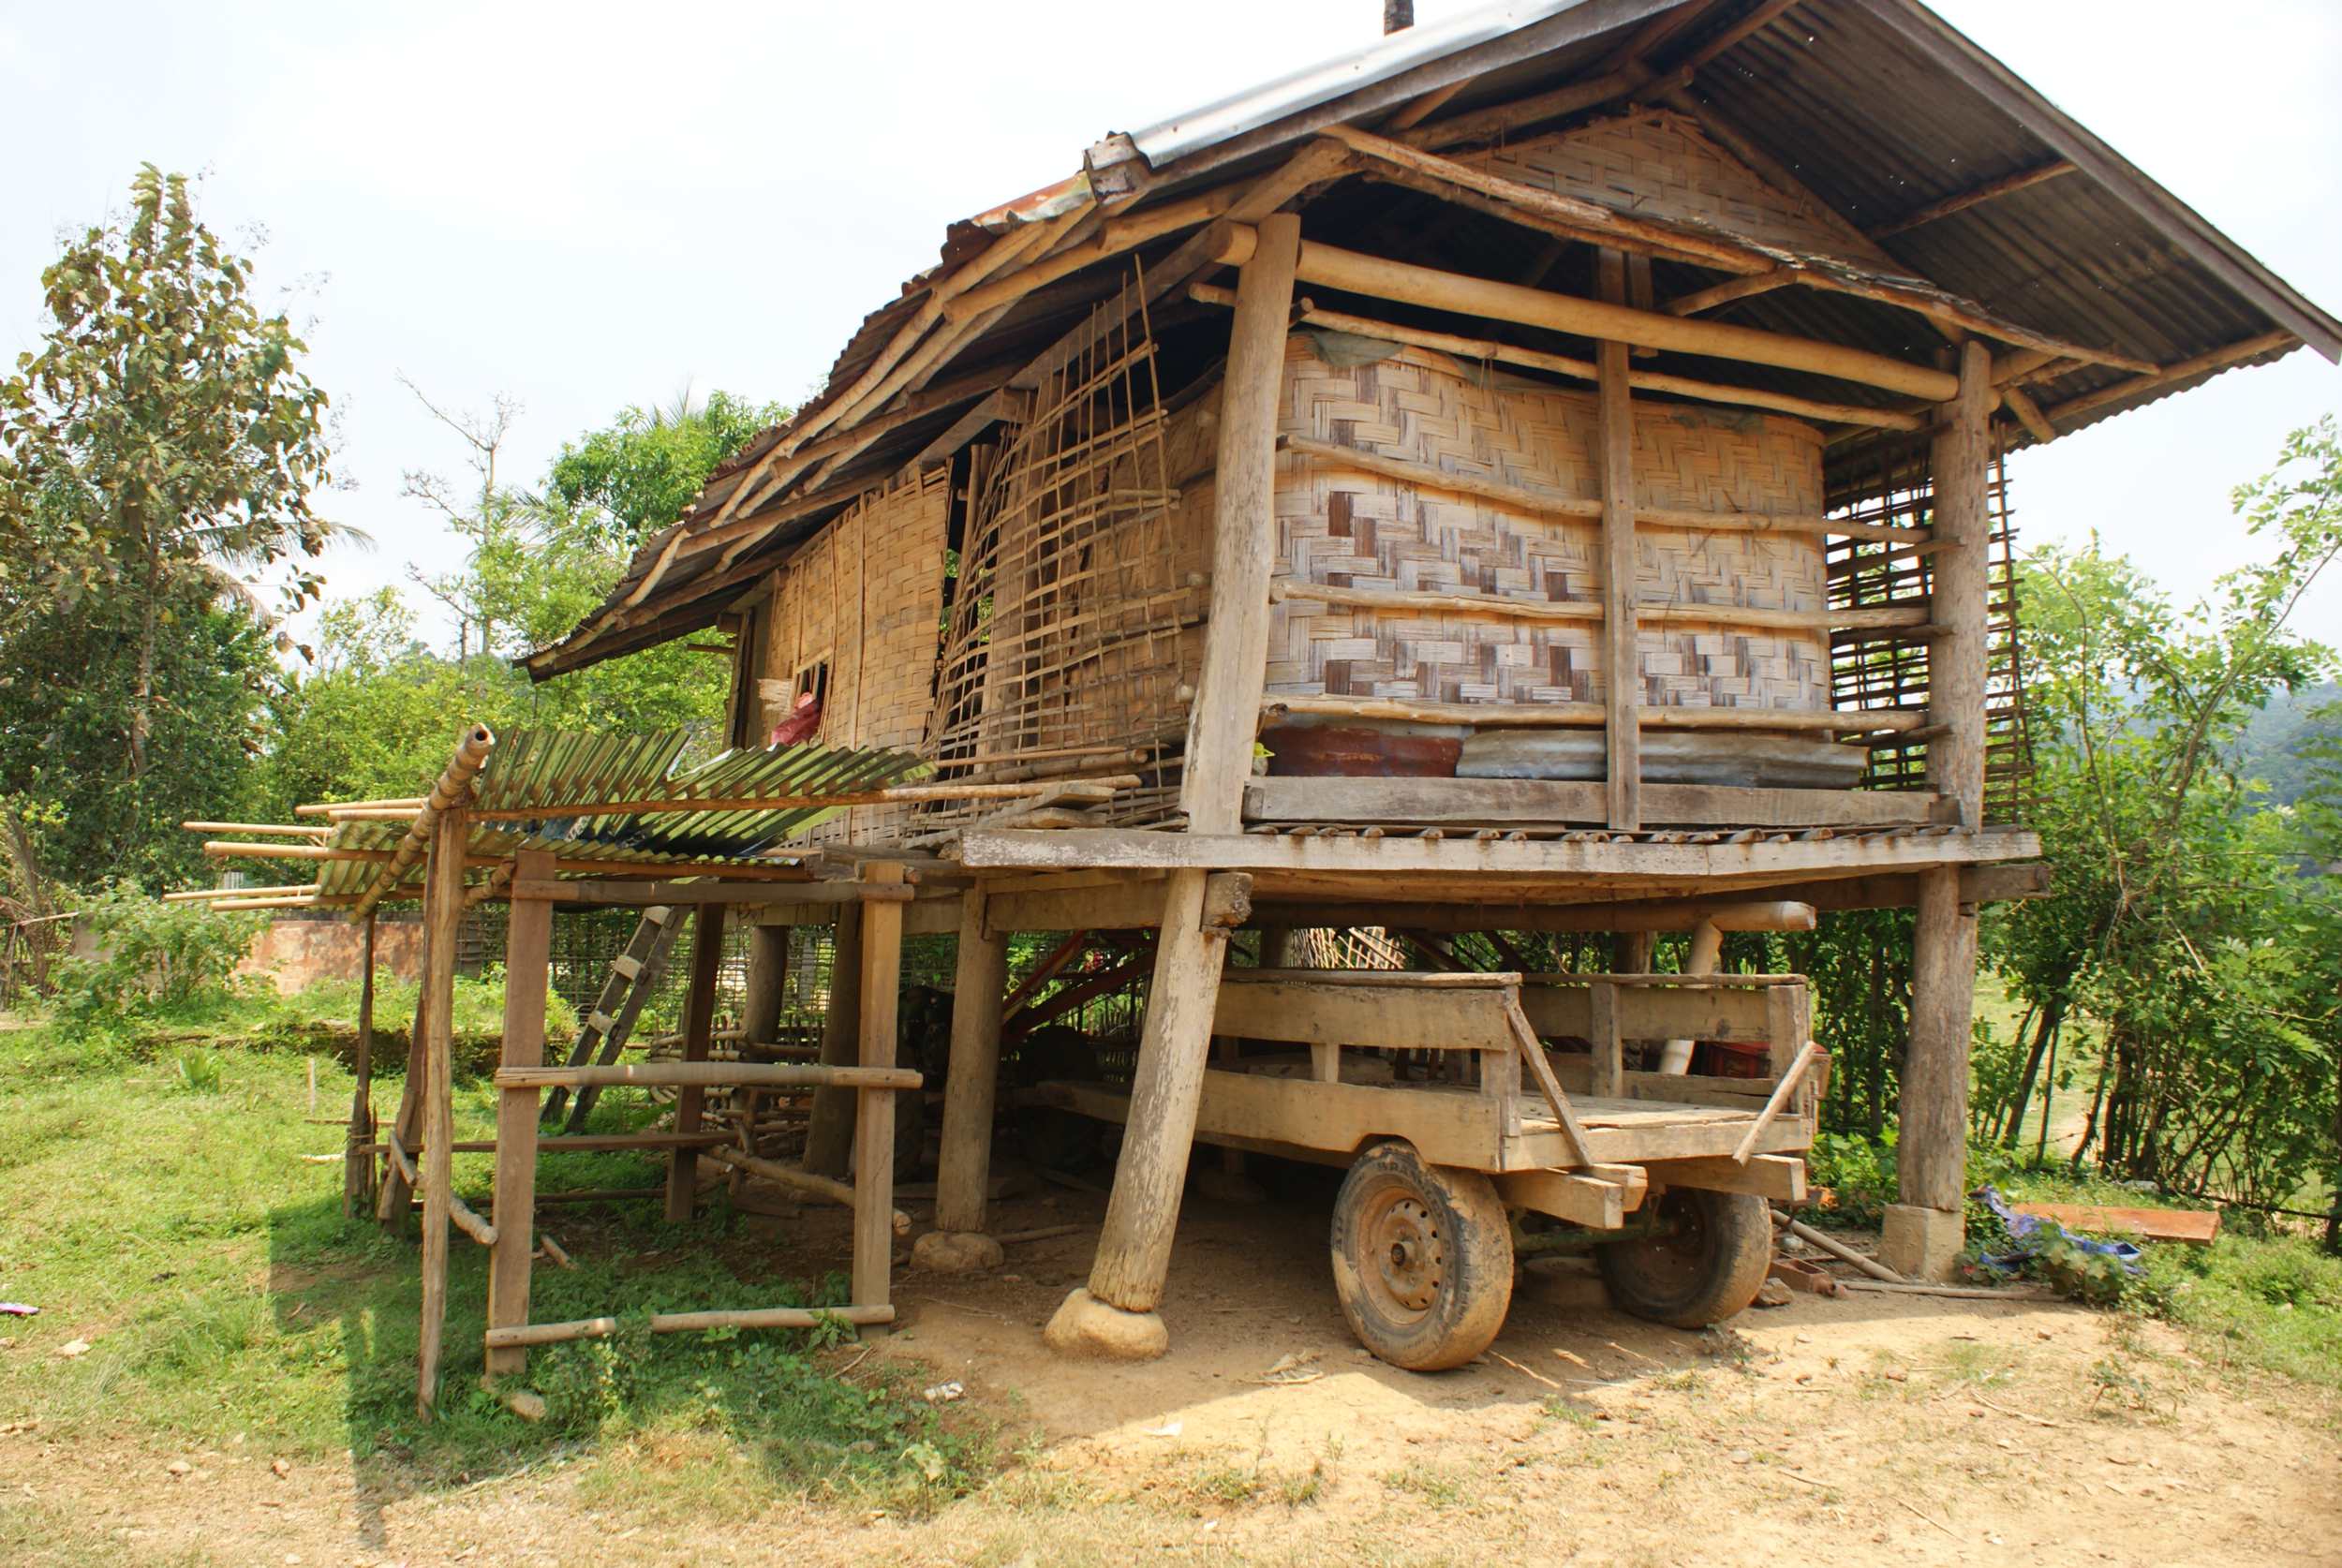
1657 164
865 596
1355 529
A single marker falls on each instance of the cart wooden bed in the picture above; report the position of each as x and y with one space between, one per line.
1459 1123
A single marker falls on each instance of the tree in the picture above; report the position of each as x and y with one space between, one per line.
643 469
162 440
2183 927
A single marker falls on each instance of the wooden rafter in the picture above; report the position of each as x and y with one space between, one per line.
1991 190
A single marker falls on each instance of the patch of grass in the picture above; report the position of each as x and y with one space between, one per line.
223 1293
1439 1486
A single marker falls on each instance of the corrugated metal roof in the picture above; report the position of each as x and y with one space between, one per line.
1876 106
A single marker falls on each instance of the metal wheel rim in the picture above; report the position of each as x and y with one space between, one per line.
1675 1255
1402 1253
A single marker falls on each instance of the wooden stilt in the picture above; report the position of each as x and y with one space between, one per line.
396 1193
1134 1247
874 1130
699 1033
829 1134
1932 1161
978 992
357 1166
527 949
442 913
768 972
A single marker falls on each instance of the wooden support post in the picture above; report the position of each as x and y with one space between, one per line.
699 1033
1609 1045
1135 1246
442 913
829 1132
393 1201
767 982
978 990
527 954
874 1130
1923 1231
1622 673
358 1165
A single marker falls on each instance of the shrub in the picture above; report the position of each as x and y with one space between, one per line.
151 956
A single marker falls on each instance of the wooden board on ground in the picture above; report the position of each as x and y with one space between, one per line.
2198 1226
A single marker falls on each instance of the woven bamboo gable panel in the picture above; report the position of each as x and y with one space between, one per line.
1355 529
864 597
1657 164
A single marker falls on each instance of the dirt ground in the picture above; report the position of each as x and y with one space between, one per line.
1870 1428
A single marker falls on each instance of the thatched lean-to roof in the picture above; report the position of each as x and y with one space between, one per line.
1933 193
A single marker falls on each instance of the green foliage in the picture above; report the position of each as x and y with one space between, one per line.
149 956
200 1071
641 472
2181 926
228 1300
158 456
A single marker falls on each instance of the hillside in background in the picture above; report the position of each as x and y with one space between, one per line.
2280 744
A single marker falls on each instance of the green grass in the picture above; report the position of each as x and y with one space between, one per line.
222 1292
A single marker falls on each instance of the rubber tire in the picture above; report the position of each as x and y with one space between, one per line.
1475 1288
1665 1280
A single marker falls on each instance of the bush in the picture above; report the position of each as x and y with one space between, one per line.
151 956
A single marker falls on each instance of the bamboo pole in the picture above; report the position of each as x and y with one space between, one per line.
829 1190
452 788
686 1323
211 895
1583 370
291 829
1577 715
1433 288
899 794
443 912
710 1074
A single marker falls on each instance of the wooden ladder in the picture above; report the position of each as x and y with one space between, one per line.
633 973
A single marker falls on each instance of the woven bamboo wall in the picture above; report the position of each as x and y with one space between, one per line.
866 596
1350 528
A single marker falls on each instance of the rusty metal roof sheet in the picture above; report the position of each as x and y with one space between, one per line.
1878 106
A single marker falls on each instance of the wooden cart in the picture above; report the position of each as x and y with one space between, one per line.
1477 1110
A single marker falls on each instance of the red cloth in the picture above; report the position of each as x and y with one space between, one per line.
801 724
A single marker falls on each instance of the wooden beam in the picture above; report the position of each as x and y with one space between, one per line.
1468 859
692 1322
1588 715
690 1075
1434 289
699 1030
1584 370
1542 208
2028 413
1730 290
1644 915
1276 799
1629 608
2057 169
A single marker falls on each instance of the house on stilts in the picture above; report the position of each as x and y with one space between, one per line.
1544 472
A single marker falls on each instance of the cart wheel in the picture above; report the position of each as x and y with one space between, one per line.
1423 1259
1701 1263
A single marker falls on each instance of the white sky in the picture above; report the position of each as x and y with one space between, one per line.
587 205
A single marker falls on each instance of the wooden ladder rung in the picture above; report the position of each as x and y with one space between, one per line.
599 1021
627 964
657 914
